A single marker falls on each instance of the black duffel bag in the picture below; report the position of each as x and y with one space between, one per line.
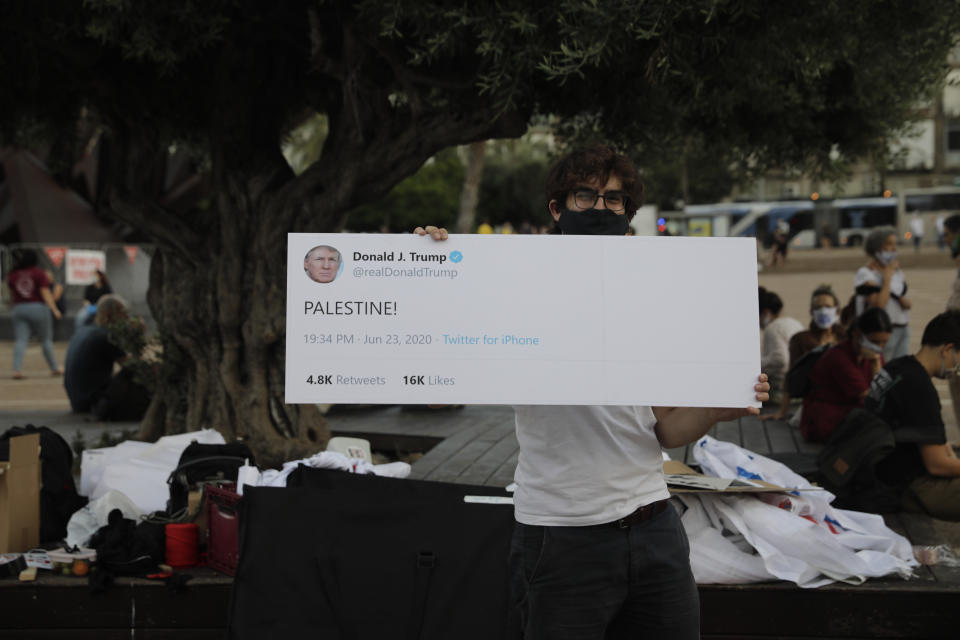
338 555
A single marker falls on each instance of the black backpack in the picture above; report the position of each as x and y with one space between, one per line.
848 463
58 492
204 463
797 380
128 548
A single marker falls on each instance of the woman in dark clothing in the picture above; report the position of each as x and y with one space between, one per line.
840 380
825 329
94 291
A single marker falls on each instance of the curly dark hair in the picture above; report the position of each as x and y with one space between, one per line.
594 163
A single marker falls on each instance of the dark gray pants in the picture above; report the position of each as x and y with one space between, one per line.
603 582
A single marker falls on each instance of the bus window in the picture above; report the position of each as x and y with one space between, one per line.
856 222
700 227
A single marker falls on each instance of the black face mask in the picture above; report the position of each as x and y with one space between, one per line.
592 222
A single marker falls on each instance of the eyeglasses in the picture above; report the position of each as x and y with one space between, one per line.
587 198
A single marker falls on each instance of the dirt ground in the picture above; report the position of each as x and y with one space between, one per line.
929 276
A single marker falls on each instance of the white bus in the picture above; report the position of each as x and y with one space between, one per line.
847 221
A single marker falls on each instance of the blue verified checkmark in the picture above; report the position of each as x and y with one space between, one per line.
455 256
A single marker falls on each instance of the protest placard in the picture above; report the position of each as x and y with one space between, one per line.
492 319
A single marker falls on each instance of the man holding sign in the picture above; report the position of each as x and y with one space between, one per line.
597 548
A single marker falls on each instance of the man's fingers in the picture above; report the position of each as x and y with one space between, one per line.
437 233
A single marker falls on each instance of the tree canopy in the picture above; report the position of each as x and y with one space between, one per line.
783 83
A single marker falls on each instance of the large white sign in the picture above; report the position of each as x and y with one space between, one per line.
521 319
83 264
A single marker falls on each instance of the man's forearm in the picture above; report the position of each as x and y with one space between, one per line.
679 426
938 461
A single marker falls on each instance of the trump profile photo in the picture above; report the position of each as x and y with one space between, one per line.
322 263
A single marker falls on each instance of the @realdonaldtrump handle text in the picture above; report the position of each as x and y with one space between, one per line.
394 272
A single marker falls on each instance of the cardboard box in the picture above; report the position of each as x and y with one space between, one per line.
20 495
682 479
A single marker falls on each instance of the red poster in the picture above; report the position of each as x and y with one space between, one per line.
56 255
131 252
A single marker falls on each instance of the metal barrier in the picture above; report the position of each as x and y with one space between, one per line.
127 267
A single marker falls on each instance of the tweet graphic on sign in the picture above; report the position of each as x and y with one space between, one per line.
486 319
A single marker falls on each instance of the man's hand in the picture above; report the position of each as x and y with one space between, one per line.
679 426
437 233
763 394
905 303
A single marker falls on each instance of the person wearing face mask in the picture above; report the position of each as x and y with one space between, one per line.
840 379
880 283
923 466
951 237
775 341
597 546
825 329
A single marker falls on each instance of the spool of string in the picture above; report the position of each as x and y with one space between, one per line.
183 544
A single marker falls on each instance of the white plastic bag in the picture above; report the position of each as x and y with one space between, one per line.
88 520
142 475
727 460
808 541
714 558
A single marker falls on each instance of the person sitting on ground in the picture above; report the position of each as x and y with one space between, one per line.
775 340
89 380
880 283
923 466
825 329
951 237
840 379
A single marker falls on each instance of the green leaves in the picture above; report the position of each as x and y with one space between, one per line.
762 83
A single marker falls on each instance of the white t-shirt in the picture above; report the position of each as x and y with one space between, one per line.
866 276
775 349
916 226
585 465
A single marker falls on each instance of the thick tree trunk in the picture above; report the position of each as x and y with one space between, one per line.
221 315
470 193
218 280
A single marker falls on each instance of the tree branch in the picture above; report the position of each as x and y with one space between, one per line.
162 226
321 61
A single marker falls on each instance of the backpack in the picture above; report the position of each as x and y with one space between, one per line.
848 463
204 462
797 380
58 492
127 548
